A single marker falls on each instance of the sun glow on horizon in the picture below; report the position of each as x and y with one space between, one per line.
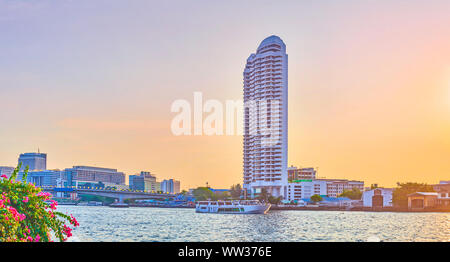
448 87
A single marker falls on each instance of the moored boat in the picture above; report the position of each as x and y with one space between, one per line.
122 205
232 207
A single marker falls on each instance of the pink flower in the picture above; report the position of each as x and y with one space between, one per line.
4 176
37 238
25 200
67 231
74 221
45 195
53 204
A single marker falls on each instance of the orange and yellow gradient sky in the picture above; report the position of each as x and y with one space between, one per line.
92 82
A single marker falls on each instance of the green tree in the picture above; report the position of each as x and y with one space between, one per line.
274 200
316 198
264 195
220 195
236 191
400 194
373 186
203 193
354 194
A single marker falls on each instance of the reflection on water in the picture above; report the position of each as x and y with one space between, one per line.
159 224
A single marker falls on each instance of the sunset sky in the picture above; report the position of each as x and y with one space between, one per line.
92 83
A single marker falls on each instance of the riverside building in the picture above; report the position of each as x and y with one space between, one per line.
265 119
335 187
443 190
378 197
34 161
145 181
305 189
170 186
47 178
295 173
83 174
6 170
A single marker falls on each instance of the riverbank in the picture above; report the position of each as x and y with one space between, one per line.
275 207
105 224
363 209
159 206
367 209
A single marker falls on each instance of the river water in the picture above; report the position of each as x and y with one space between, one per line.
179 224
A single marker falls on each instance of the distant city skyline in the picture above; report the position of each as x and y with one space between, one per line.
37 161
369 85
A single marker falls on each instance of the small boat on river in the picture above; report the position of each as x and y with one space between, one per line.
119 205
232 207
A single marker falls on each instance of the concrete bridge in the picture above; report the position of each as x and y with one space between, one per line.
120 195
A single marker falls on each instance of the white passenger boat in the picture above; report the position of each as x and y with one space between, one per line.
232 207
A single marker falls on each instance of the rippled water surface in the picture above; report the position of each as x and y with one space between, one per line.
170 224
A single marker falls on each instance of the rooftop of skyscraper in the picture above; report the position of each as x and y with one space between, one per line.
32 154
273 39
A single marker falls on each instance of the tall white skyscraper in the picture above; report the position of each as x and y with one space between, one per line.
265 118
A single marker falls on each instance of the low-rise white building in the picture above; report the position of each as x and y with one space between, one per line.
378 197
295 173
336 187
443 190
299 190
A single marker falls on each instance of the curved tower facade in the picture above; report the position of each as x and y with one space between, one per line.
265 118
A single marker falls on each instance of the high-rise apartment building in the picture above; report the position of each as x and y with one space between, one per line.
265 118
